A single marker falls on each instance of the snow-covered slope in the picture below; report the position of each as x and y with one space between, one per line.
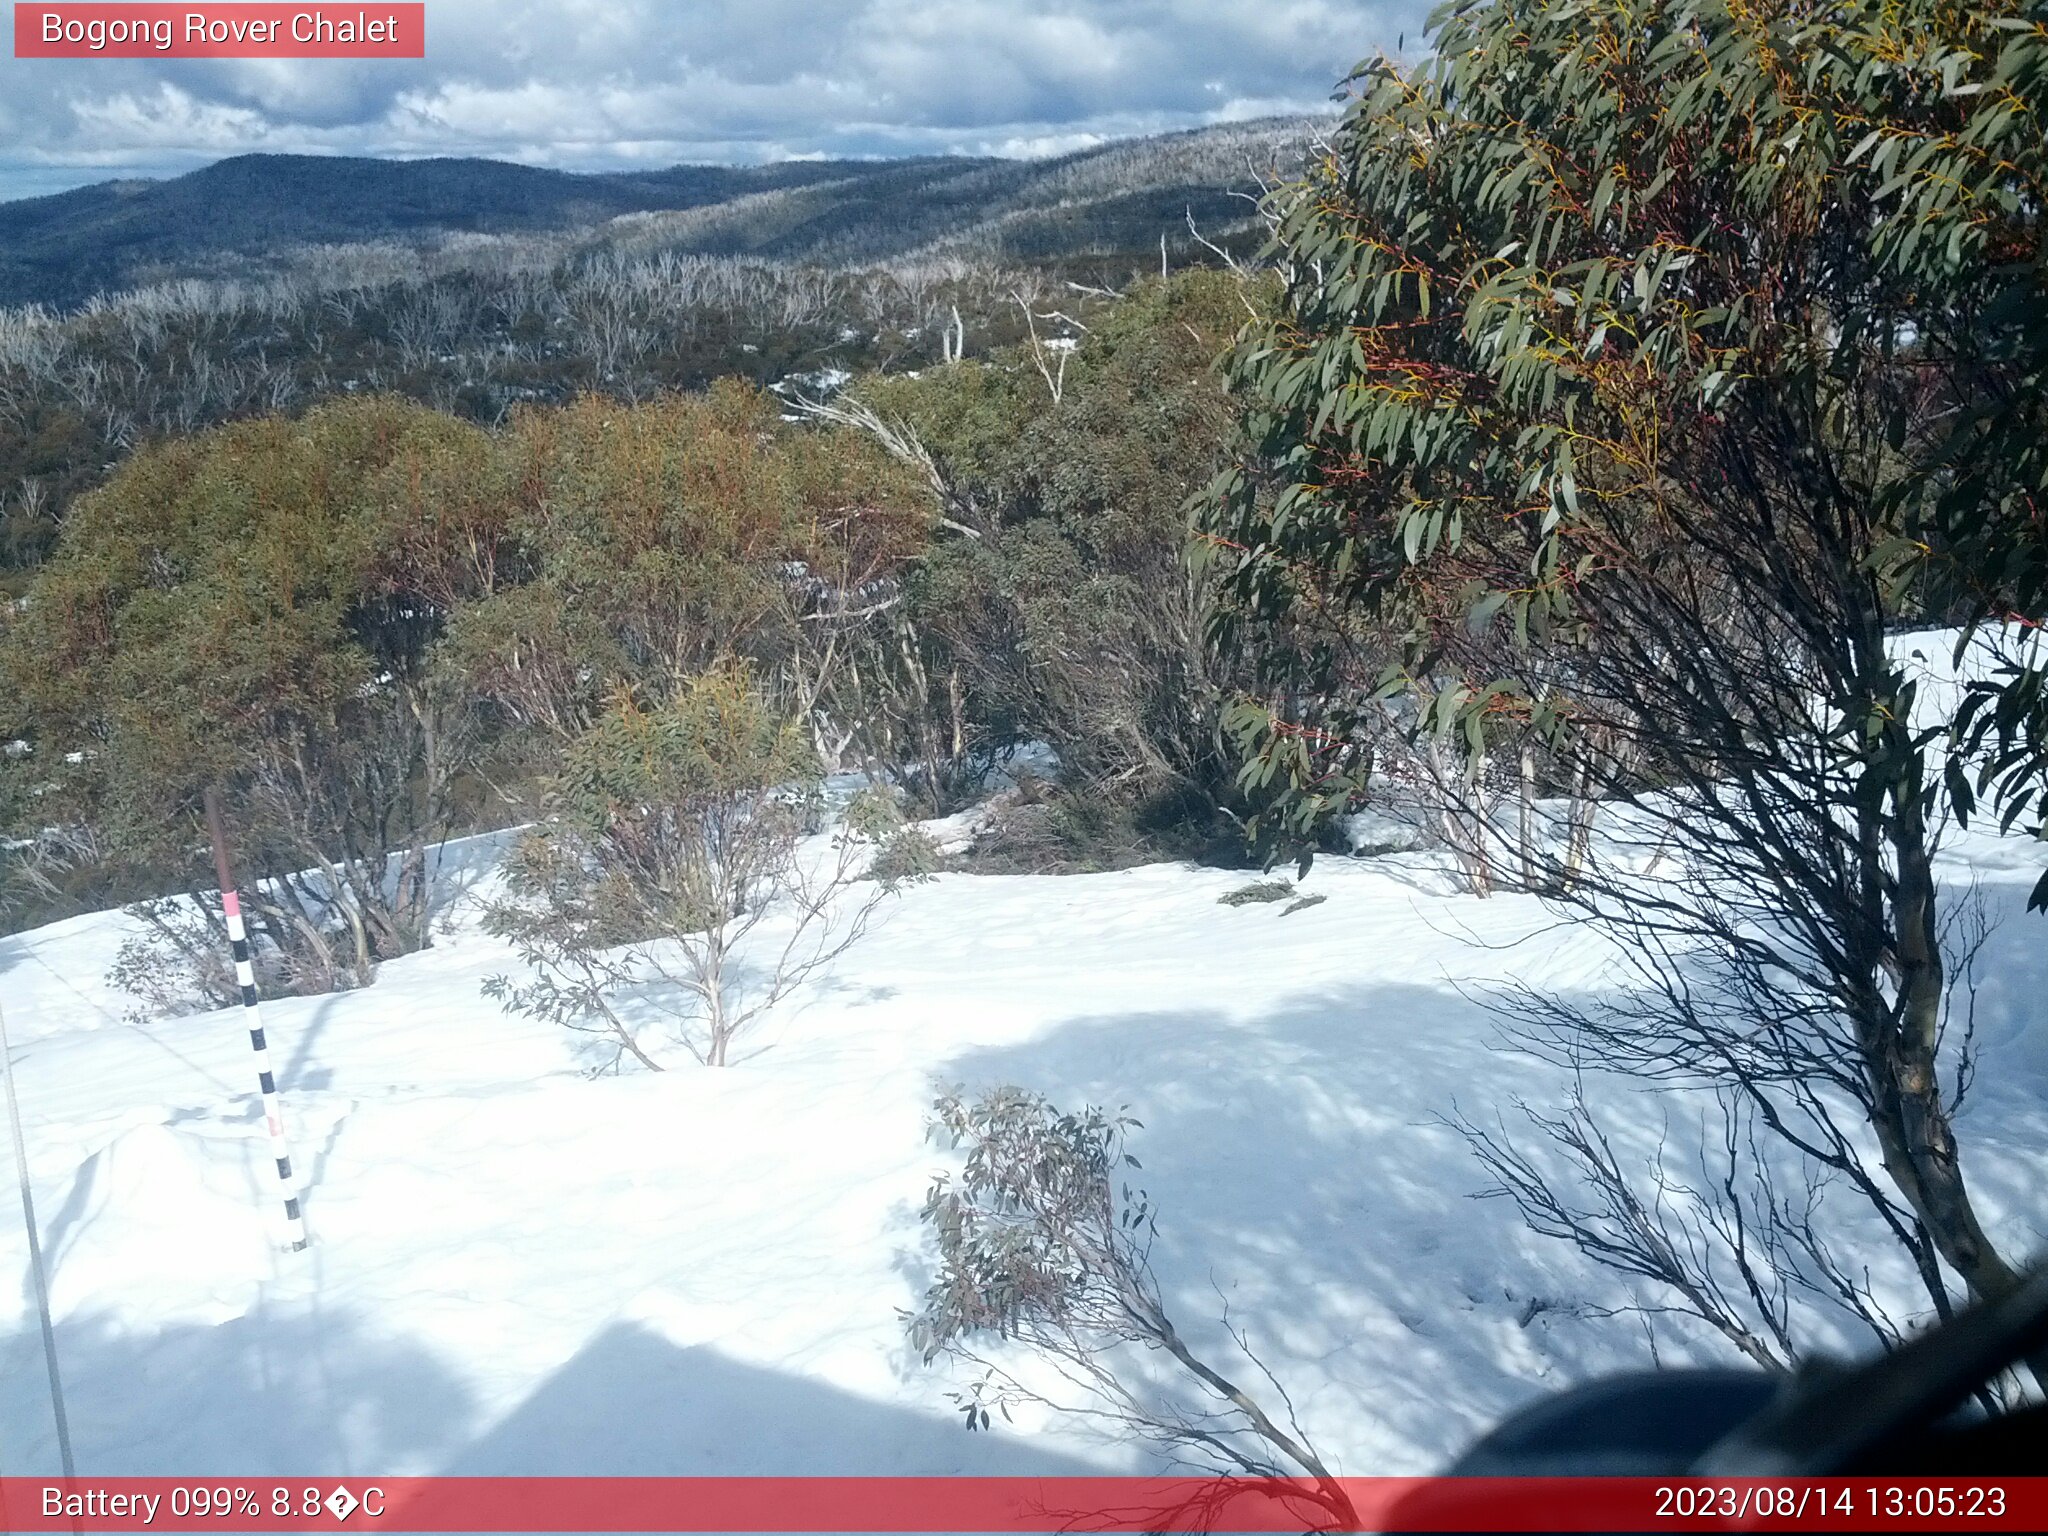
518 1268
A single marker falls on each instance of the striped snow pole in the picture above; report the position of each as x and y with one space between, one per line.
245 975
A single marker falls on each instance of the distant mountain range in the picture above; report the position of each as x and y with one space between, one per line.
255 211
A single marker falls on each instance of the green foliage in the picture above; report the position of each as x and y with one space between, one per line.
1619 396
376 623
716 739
674 831
1044 1244
352 622
2002 726
659 541
1593 262
904 852
687 809
1037 1225
755 273
1069 610
251 610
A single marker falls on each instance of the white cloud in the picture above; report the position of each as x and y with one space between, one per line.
1041 145
590 83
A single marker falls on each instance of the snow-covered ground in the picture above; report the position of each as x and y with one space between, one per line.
518 1268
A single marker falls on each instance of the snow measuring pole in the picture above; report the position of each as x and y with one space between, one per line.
245 974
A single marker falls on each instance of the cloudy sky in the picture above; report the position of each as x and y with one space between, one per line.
610 84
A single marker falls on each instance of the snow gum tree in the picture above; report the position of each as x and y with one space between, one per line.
259 609
1635 365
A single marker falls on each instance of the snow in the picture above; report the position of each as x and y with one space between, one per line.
517 1267
1383 829
818 382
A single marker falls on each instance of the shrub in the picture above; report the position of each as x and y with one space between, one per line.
1043 1242
182 964
1057 604
673 835
253 609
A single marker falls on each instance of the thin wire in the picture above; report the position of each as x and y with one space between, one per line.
35 1256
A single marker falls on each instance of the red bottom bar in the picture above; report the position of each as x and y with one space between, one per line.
1021 1504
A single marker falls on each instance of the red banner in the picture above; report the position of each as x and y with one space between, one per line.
216 31
1025 1505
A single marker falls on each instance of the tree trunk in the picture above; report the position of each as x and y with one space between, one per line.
1528 818
1900 1041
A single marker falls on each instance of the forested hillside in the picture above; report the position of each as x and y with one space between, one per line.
234 215
254 214
795 275
465 599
